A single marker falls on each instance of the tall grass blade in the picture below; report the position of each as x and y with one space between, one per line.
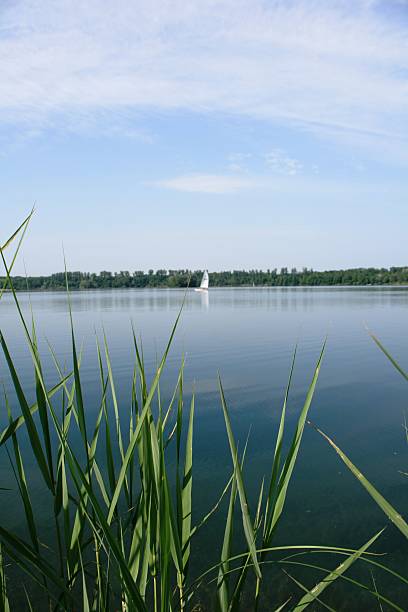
349 580
306 590
85 600
42 408
31 428
224 601
4 602
186 496
290 461
388 355
277 453
21 480
385 506
18 422
15 234
131 448
23 227
246 519
316 591
24 552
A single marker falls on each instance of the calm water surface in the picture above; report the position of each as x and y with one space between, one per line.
248 336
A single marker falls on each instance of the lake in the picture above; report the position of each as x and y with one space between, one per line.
248 336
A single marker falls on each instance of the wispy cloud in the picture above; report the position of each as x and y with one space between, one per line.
237 162
207 183
326 66
279 161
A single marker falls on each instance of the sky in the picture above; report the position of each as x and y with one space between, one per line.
219 134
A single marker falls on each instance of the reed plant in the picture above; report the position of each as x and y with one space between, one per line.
121 501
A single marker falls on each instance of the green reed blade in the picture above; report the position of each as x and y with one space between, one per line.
302 548
368 558
290 461
25 409
376 591
385 506
186 496
137 541
101 483
234 605
31 571
214 509
348 580
95 437
19 474
246 519
18 422
164 538
388 355
81 482
140 363
223 572
4 602
145 410
179 420
65 501
171 404
23 227
99 603
302 587
85 600
146 557
108 438
175 543
80 410
258 515
29 604
15 234
179 427
24 552
317 590
281 607
114 399
277 454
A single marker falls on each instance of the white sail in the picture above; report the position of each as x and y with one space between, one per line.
204 280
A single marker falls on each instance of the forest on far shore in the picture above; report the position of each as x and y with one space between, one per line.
236 278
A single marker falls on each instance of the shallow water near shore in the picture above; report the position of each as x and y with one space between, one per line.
248 337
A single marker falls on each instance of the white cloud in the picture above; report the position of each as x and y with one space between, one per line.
237 162
206 183
329 66
278 161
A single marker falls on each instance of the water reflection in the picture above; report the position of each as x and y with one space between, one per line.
272 298
248 335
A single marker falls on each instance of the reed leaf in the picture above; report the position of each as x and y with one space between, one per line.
22 228
246 519
4 601
18 422
25 409
317 590
131 448
290 461
385 506
388 355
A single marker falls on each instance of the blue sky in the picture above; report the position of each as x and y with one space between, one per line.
221 134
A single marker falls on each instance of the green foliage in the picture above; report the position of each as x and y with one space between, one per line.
234 278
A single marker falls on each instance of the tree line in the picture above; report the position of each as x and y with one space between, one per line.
230 278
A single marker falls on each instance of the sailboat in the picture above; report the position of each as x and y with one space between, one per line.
204 282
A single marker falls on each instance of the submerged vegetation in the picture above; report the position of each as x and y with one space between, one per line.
235 278
121 528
